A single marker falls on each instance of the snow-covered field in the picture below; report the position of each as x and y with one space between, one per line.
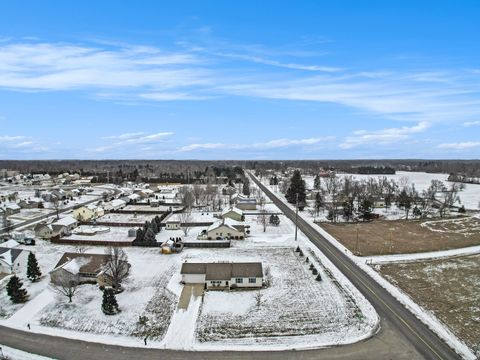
115 233
469 197
126 218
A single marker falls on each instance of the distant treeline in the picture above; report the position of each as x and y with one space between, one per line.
464 178
374 170
185 170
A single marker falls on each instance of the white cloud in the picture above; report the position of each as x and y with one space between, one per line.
124 136
128 139
57 66
471 123
272 144
7 138
383 137
460 145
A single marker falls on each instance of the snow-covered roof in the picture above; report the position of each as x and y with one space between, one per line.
73 266
10 244
218 224
65 221
233 209
117 202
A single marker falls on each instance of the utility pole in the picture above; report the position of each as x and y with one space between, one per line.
296 217
356 244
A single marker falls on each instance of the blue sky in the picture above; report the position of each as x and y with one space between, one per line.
239 80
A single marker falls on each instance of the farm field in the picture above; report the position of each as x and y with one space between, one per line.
447 287
384 237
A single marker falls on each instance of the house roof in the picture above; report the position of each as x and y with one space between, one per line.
10 244
9 255
219 224
233 209
224 271
76 263
65 221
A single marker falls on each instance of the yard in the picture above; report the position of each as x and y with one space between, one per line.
449 288
295 304
400 237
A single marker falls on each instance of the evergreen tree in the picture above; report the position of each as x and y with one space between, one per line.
33 271
319 203
297 186
109 303
139 238
317 183
15 291
246 187
149 237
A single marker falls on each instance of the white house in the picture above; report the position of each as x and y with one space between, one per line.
13 260
173 222
245 203
64 225
223 275
224 229
117 204
233 213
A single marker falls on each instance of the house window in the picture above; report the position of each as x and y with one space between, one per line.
239 281
252 280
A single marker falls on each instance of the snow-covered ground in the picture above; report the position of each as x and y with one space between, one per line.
114 233
425 316
153 288
14 354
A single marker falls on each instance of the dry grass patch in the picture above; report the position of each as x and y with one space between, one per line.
402 237
449 288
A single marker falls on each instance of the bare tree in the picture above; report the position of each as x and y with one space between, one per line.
259 299
198 193
66 286
333 186
186 196
56 205
263 216
186 220
116 267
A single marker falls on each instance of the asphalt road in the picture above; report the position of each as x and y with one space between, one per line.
400 337
427 343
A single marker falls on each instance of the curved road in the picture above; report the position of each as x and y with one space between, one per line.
401 335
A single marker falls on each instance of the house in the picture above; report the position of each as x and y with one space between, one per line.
245 203
173 222
60 194
146 193
46 231
117 204
172 246
134 198
88 212
65 225
233 213
224 229
30 204
10 244
13 260
246 275
81 268
10 208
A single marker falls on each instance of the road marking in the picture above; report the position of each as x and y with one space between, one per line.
346 265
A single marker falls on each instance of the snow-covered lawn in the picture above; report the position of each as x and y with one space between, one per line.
126 218
114 233
294 309
14 354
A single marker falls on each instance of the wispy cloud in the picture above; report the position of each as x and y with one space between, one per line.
272 144
460 145
127 139
57 66
471 123
383 137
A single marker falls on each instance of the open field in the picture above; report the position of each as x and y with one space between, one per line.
403 237
449 288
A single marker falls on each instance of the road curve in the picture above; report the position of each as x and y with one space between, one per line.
391 311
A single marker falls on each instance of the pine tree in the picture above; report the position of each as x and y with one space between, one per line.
246 187
33 271
317 183
109 302
15 291
297 186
